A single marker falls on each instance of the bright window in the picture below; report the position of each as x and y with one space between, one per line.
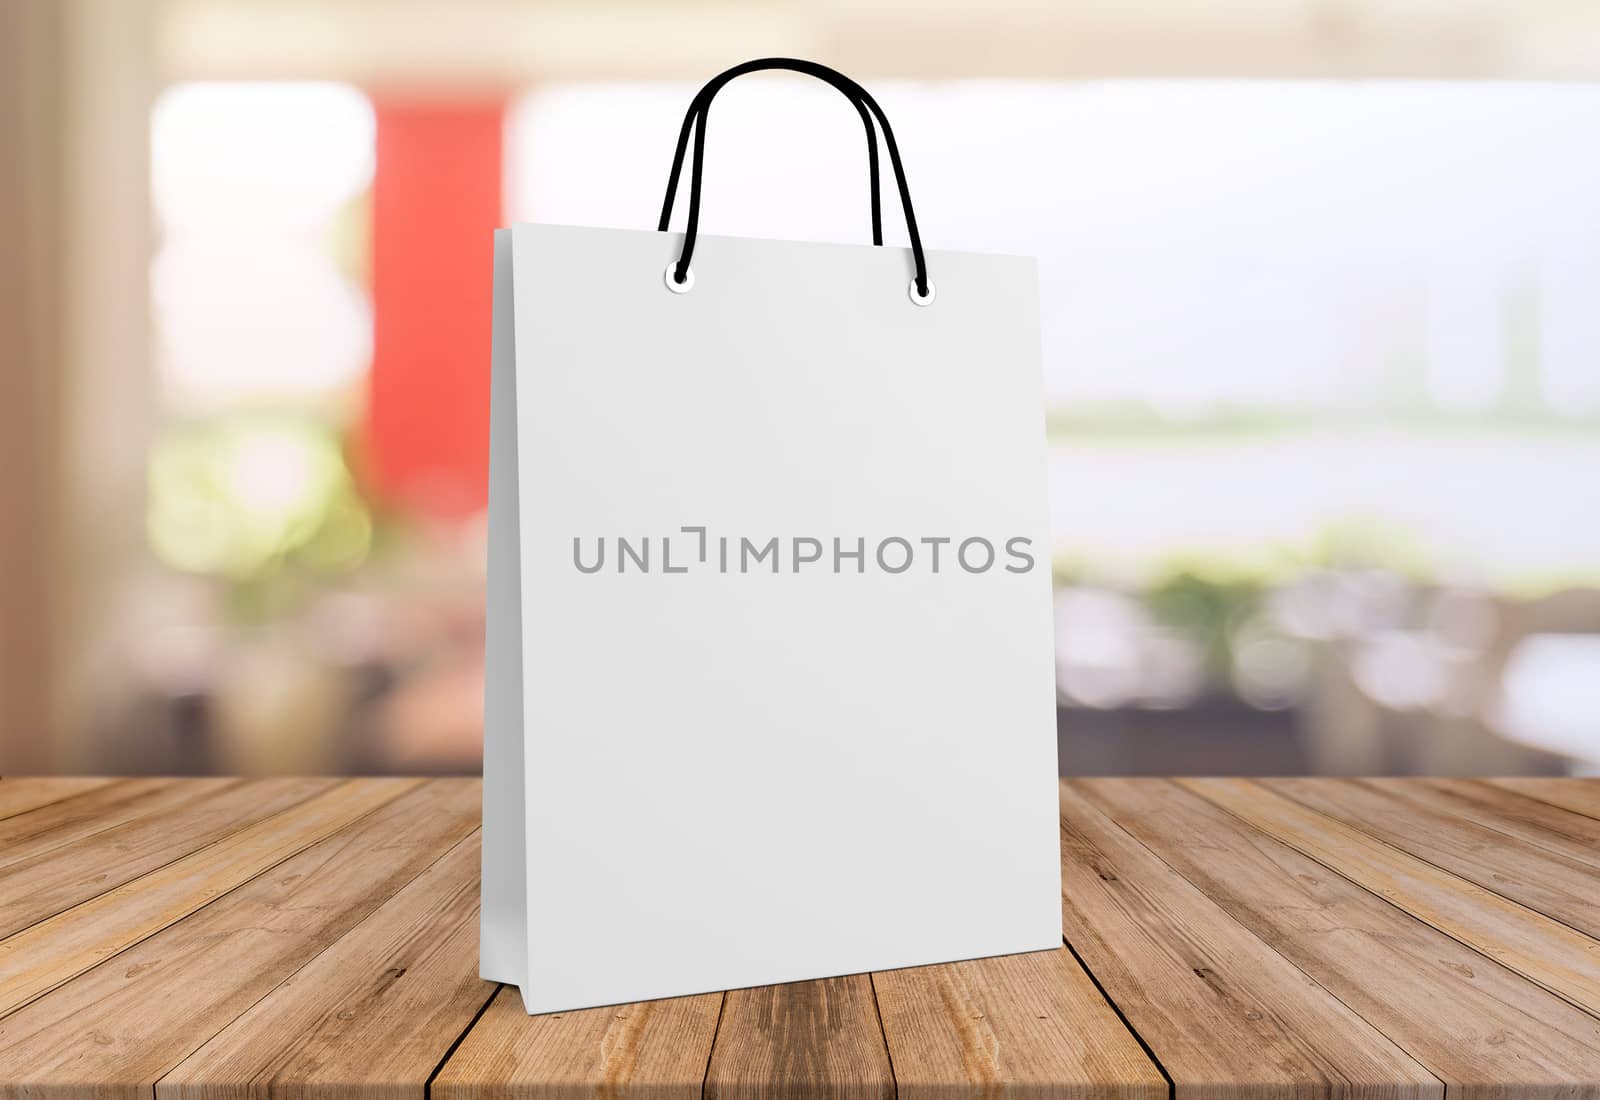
263 325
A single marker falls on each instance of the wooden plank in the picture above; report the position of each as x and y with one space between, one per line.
18 795
1581 796
375 1013
27 835
1223 1013
47 953
1544 881
117 1029
1027 1027
655 1050
1557 957
1488 1033
817 1038
1572 835
54 880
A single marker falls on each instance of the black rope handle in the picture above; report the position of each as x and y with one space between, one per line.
700 112
697 109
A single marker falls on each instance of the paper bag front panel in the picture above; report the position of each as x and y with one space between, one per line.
739 773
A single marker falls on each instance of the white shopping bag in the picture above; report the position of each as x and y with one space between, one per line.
770 682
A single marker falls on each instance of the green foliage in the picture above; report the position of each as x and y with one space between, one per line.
256 500
1207 612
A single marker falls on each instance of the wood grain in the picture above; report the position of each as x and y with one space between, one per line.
374 1014
1581 796
115 1030
18 796
1563 831
1223 1013
26 835
51 951
1026 1027
811 1039
1230 938
1545 881
53 880
656 1050
1545 950
1487 1032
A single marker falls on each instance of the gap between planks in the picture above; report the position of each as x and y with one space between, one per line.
378 1009
1412 820
173 992
1489 1031
1222 1011
1541 949
18 796
445 1072
45 954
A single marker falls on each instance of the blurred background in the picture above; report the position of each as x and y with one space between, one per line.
1321 307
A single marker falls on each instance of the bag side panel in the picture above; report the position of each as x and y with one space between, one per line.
502 930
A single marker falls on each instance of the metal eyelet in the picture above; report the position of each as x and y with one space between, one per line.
921 299
673 284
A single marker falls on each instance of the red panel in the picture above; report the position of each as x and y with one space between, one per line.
435 204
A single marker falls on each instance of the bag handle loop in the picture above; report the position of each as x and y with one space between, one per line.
700 111
696 109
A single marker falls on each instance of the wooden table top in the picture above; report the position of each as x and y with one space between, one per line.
218 938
